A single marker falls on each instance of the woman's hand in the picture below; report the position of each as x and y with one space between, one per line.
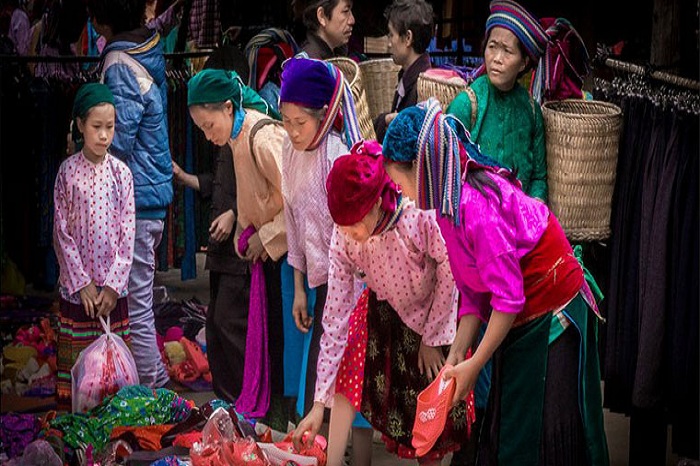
106 301
455 356
88 295
309 426
300 312
430 360
222 225
465 375
255 249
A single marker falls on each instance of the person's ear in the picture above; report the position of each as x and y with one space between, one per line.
81 125
228 107
409 38
524 64
321 17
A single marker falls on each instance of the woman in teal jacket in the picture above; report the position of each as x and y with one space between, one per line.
499 113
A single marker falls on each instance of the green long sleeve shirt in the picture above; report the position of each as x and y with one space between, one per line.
509 128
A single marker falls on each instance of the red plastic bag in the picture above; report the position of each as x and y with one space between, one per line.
101 370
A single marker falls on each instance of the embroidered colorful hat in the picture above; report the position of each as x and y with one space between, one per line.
432 407
355 183
512 16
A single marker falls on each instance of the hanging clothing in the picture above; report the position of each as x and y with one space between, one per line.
508 127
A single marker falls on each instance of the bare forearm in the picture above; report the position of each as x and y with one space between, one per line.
298 281
466 334
499 325
190 181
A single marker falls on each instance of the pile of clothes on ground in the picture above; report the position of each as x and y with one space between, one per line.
142 426
29 344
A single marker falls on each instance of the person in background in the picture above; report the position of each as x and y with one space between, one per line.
328 26
133 67
501 116
410 24
515 271
93 234
311 97
15 25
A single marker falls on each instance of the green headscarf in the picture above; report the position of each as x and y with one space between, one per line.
213 86
88 96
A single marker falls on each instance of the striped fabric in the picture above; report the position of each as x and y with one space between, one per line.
512 16
342 98
76 332
439 172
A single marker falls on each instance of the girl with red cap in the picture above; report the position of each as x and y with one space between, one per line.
397 250
318 132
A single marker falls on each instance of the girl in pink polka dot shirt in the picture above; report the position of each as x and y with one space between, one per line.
397 250
93 234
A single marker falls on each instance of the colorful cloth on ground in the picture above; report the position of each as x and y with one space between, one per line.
512 16
76 332
392 383
143 437
424 295
259 183
18 431
254 399
94 224
509 128
307 218
131 406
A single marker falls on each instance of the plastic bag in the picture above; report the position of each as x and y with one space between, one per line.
223 446
101 370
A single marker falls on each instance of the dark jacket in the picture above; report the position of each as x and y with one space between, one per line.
317 48
410 98
220 187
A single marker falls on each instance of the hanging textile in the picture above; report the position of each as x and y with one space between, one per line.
651 358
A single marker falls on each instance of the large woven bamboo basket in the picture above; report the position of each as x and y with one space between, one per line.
442 89
352 74
379 77
582 146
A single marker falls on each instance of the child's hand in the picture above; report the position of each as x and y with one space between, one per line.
222 225
177 172
309 426
88 295
430 360
465 374
301 316
106 301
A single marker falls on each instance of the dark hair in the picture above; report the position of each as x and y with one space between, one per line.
119 15
521 48
306 10
479 179
415 16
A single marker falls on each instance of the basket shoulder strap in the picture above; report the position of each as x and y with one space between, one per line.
472 100
254 130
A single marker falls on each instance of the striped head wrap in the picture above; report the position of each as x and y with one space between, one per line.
314 84
443 151
512 16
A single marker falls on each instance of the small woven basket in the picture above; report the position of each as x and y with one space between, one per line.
582 146
379 77
443 90
353 76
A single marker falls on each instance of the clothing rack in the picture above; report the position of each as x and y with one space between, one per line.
647 71
89 59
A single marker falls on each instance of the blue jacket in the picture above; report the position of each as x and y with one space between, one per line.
134 70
